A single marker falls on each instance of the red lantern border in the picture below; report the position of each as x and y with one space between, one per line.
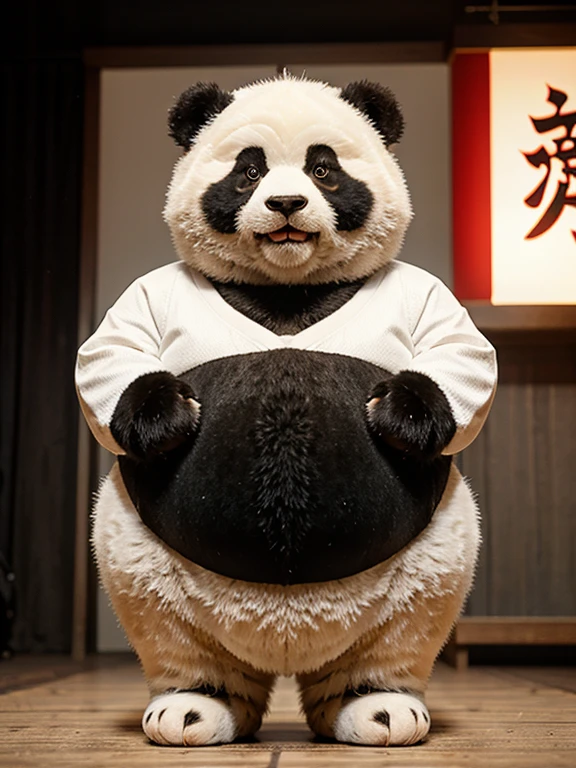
472 238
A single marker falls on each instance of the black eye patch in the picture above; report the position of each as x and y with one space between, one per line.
349 197
222 200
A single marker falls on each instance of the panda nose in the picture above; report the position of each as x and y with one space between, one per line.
286 204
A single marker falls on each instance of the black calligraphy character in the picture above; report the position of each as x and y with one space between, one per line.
565 152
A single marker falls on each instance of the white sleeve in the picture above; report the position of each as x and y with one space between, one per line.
453 353
124 347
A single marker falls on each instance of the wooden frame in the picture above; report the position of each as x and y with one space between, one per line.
472 224
85 479
483 36
507 630
274 55
522 318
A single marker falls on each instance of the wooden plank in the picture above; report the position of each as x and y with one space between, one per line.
511 544
560 511
482 717
553 677
473 465
522 467
491 317
535 358
512 630
233 55
26 670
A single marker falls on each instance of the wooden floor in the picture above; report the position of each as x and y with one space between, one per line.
486 717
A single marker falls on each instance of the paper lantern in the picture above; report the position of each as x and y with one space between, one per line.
514 175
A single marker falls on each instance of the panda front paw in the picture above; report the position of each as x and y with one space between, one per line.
155 414
410 412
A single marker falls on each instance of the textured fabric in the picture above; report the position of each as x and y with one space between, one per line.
403 318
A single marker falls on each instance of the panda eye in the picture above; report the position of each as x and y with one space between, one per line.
321 171
252 173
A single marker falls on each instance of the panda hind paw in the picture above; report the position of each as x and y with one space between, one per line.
383 719
185 718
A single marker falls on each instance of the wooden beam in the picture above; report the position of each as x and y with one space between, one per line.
485 36
515 630
271 55
490 317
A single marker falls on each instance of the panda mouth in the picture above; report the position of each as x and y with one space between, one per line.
287 233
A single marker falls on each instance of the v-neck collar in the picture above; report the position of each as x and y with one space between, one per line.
308 337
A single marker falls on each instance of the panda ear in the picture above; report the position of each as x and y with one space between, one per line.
194 108
379 105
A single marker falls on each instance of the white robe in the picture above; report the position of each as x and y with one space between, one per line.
402 318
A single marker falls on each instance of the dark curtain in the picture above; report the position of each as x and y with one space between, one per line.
40 166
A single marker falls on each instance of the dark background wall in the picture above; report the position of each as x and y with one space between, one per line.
41 136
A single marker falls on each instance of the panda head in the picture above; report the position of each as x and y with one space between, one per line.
287 181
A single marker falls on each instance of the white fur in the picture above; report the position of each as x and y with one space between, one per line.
258 117
164 720
408 720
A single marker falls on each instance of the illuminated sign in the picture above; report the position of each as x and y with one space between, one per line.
514 174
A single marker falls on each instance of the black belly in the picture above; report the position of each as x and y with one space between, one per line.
283 483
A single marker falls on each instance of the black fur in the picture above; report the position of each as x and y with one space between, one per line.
365 689
379 105
285 468
153 415
192 717
382 717
223 200
350 198
194 109
283 482
287 309
205 690
413 415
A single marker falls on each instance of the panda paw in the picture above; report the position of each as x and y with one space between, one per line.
155 414
383 719
189 719
410 412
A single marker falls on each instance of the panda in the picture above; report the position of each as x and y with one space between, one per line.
284 402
